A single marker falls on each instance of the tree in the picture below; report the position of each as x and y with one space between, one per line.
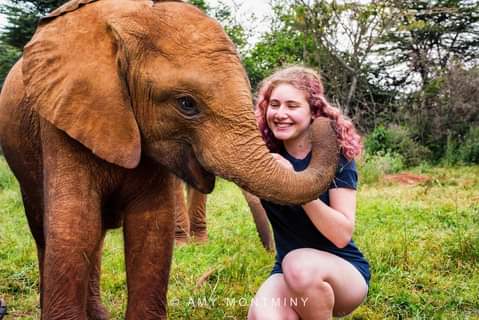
344 34
418 50
201 4
227 19
22 18
428 34
8 56
336 38
454 99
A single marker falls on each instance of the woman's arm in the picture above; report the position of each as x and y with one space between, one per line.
336 222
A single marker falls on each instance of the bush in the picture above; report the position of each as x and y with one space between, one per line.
372 167
397 140
469 150
465 152
444 112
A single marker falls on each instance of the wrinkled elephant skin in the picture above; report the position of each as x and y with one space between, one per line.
110 101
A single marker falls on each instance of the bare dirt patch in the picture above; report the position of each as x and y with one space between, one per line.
406 178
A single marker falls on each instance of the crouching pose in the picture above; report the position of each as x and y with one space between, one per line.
319 272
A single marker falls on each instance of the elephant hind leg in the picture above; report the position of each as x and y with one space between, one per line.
197 215
95 309
182 229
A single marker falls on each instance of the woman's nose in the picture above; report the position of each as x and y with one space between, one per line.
281 112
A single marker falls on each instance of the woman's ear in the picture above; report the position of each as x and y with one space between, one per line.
72 79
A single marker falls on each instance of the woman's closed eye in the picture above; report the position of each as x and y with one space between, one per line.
274 106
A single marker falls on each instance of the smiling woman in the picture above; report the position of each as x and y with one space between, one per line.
316 259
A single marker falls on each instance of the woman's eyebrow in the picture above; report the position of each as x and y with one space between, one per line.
287 101
292 101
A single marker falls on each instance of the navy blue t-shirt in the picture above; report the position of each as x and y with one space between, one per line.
293 229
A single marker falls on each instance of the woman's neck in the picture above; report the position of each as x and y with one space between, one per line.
298 148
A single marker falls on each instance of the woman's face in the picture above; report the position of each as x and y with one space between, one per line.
288 114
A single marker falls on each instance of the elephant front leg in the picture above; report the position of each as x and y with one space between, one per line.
73 236
149 228
95 309
72 223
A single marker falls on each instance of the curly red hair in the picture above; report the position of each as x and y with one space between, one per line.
308 81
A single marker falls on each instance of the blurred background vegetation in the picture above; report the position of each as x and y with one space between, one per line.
406 72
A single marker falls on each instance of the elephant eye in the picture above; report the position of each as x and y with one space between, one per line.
187 105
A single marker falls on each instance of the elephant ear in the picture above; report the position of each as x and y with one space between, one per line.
66 7
73 79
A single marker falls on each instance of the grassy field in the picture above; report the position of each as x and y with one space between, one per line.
422 242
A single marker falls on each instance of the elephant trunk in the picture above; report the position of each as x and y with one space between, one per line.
247 161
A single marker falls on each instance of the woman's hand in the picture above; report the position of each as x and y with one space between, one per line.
285 163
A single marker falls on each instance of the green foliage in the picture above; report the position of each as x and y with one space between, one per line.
466 151
425 49
275 50
8 56
396 140
226 17
469 150
236 32
373 167
283 45
426 35
200 4
377 140
448 113
22 17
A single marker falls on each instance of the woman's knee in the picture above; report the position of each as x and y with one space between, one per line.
299 275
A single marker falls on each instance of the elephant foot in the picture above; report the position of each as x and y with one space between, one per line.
96 311
180 242
200 237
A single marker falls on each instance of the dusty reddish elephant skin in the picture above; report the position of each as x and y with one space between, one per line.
110 99
104 195
190 214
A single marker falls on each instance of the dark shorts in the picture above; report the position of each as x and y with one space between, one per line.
361 267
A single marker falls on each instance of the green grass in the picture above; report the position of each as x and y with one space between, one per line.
422 242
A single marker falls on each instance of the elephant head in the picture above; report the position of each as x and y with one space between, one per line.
159 79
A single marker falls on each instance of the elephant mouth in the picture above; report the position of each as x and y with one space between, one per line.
194 173
179 157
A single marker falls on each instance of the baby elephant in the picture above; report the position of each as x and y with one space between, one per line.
110 101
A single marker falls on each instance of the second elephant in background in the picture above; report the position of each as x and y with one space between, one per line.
190 215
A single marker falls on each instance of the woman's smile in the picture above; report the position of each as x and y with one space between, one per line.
288 114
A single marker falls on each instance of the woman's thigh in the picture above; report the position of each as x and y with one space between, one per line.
308 266
273 301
